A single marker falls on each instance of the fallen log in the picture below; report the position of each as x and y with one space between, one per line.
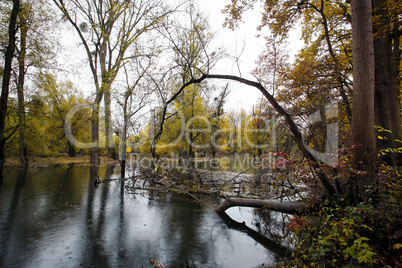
290 207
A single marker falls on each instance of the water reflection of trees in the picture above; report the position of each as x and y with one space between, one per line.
108 241
183 234
38 207
271 224
103 226
270 244
94 247
9 217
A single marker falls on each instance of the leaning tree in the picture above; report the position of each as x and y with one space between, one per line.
363 131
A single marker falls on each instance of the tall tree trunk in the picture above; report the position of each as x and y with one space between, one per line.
70 149
123 163
95 160
123 146
363 132
153 142
190 152
6 79
397 58
397 71
108 131
191 136
387 106
397 76
23 152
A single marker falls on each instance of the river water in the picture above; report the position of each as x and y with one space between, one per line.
53 216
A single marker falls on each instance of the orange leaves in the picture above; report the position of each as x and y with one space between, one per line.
297 223
235 11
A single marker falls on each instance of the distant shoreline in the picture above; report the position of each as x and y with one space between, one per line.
57 160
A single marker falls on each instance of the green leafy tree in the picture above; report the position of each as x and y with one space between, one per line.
188 115
47 110
60 98
33 52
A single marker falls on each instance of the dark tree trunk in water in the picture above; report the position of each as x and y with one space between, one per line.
123 145
93 175
6 79
123 168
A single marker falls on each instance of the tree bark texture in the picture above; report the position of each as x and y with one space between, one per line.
363 132
95 159
123 146
387 105
23 151
108 124
12 30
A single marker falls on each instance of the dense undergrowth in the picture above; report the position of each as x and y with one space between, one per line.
364 235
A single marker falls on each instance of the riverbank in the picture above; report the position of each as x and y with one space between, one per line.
57 160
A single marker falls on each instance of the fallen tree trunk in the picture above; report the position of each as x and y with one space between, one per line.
290 207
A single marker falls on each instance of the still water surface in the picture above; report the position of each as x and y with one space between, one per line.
55 217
